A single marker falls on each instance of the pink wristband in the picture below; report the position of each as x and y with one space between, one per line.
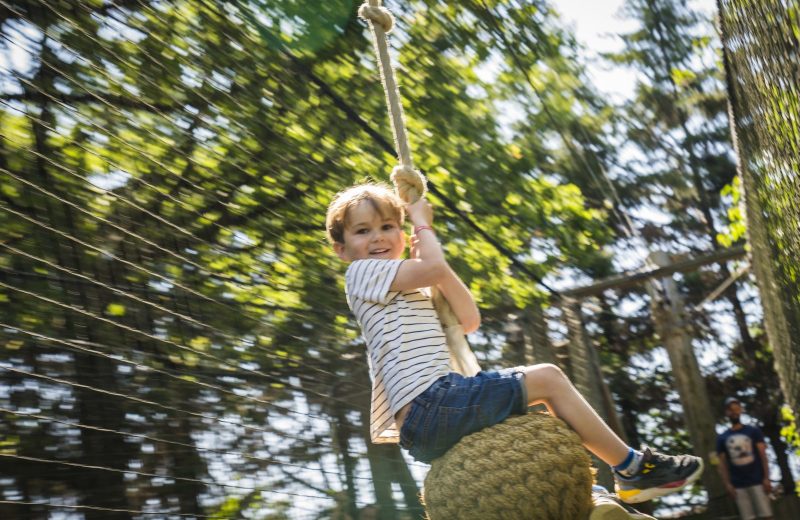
417 229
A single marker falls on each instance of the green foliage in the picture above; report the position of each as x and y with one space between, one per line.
736 227
188 151
790 433
180 156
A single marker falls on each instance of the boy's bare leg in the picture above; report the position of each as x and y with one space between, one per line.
666 474
547 384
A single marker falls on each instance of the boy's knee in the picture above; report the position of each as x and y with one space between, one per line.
547 372
543 381
552 370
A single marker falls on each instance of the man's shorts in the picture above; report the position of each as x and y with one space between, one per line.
753 502
455 406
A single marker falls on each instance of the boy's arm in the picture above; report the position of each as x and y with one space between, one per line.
461 302
428 266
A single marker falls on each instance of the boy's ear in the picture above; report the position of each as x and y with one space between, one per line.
338 248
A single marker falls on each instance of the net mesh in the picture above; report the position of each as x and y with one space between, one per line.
762 52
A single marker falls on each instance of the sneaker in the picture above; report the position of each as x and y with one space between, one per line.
607 506
658 475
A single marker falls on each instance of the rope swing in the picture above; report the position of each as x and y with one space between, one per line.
409 183
530 467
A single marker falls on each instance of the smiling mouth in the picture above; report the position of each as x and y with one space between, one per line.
379 251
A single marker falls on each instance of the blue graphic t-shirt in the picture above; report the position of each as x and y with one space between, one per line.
744 459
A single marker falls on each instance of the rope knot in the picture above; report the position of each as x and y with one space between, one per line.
377 15
409 183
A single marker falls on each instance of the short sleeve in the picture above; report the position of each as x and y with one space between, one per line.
758 435
370 280
721 444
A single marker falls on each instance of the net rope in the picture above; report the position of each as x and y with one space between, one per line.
761 42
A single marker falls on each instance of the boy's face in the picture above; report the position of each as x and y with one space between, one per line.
368 234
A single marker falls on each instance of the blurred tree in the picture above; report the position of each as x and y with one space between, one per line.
165 171
681 165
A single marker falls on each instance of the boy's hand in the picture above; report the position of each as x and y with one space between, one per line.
420 213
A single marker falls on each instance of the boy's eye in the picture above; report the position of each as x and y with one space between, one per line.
388 226
361 231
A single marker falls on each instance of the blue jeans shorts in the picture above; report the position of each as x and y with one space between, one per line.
455 406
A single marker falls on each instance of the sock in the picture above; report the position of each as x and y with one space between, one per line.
629 466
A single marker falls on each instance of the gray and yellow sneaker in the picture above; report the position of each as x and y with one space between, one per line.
658 475
607 506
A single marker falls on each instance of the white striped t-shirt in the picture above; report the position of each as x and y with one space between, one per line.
406 347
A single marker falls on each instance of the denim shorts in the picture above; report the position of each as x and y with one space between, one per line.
455 406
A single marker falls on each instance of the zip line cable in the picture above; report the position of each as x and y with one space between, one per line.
171 343
200 415
178 102
152 475
185 445
139 268
71 507
101 130
146 369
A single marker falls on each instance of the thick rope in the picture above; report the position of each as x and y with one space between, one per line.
529 467
409 183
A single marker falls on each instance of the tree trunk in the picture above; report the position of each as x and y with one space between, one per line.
379 456
539 347
411 492
772 430
586 376
515 351
98 488
341 434
672 327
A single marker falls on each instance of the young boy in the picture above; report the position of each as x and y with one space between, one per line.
416 399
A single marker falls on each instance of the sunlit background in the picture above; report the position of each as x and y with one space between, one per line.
174 337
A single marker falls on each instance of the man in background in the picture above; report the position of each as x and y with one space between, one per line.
743 464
